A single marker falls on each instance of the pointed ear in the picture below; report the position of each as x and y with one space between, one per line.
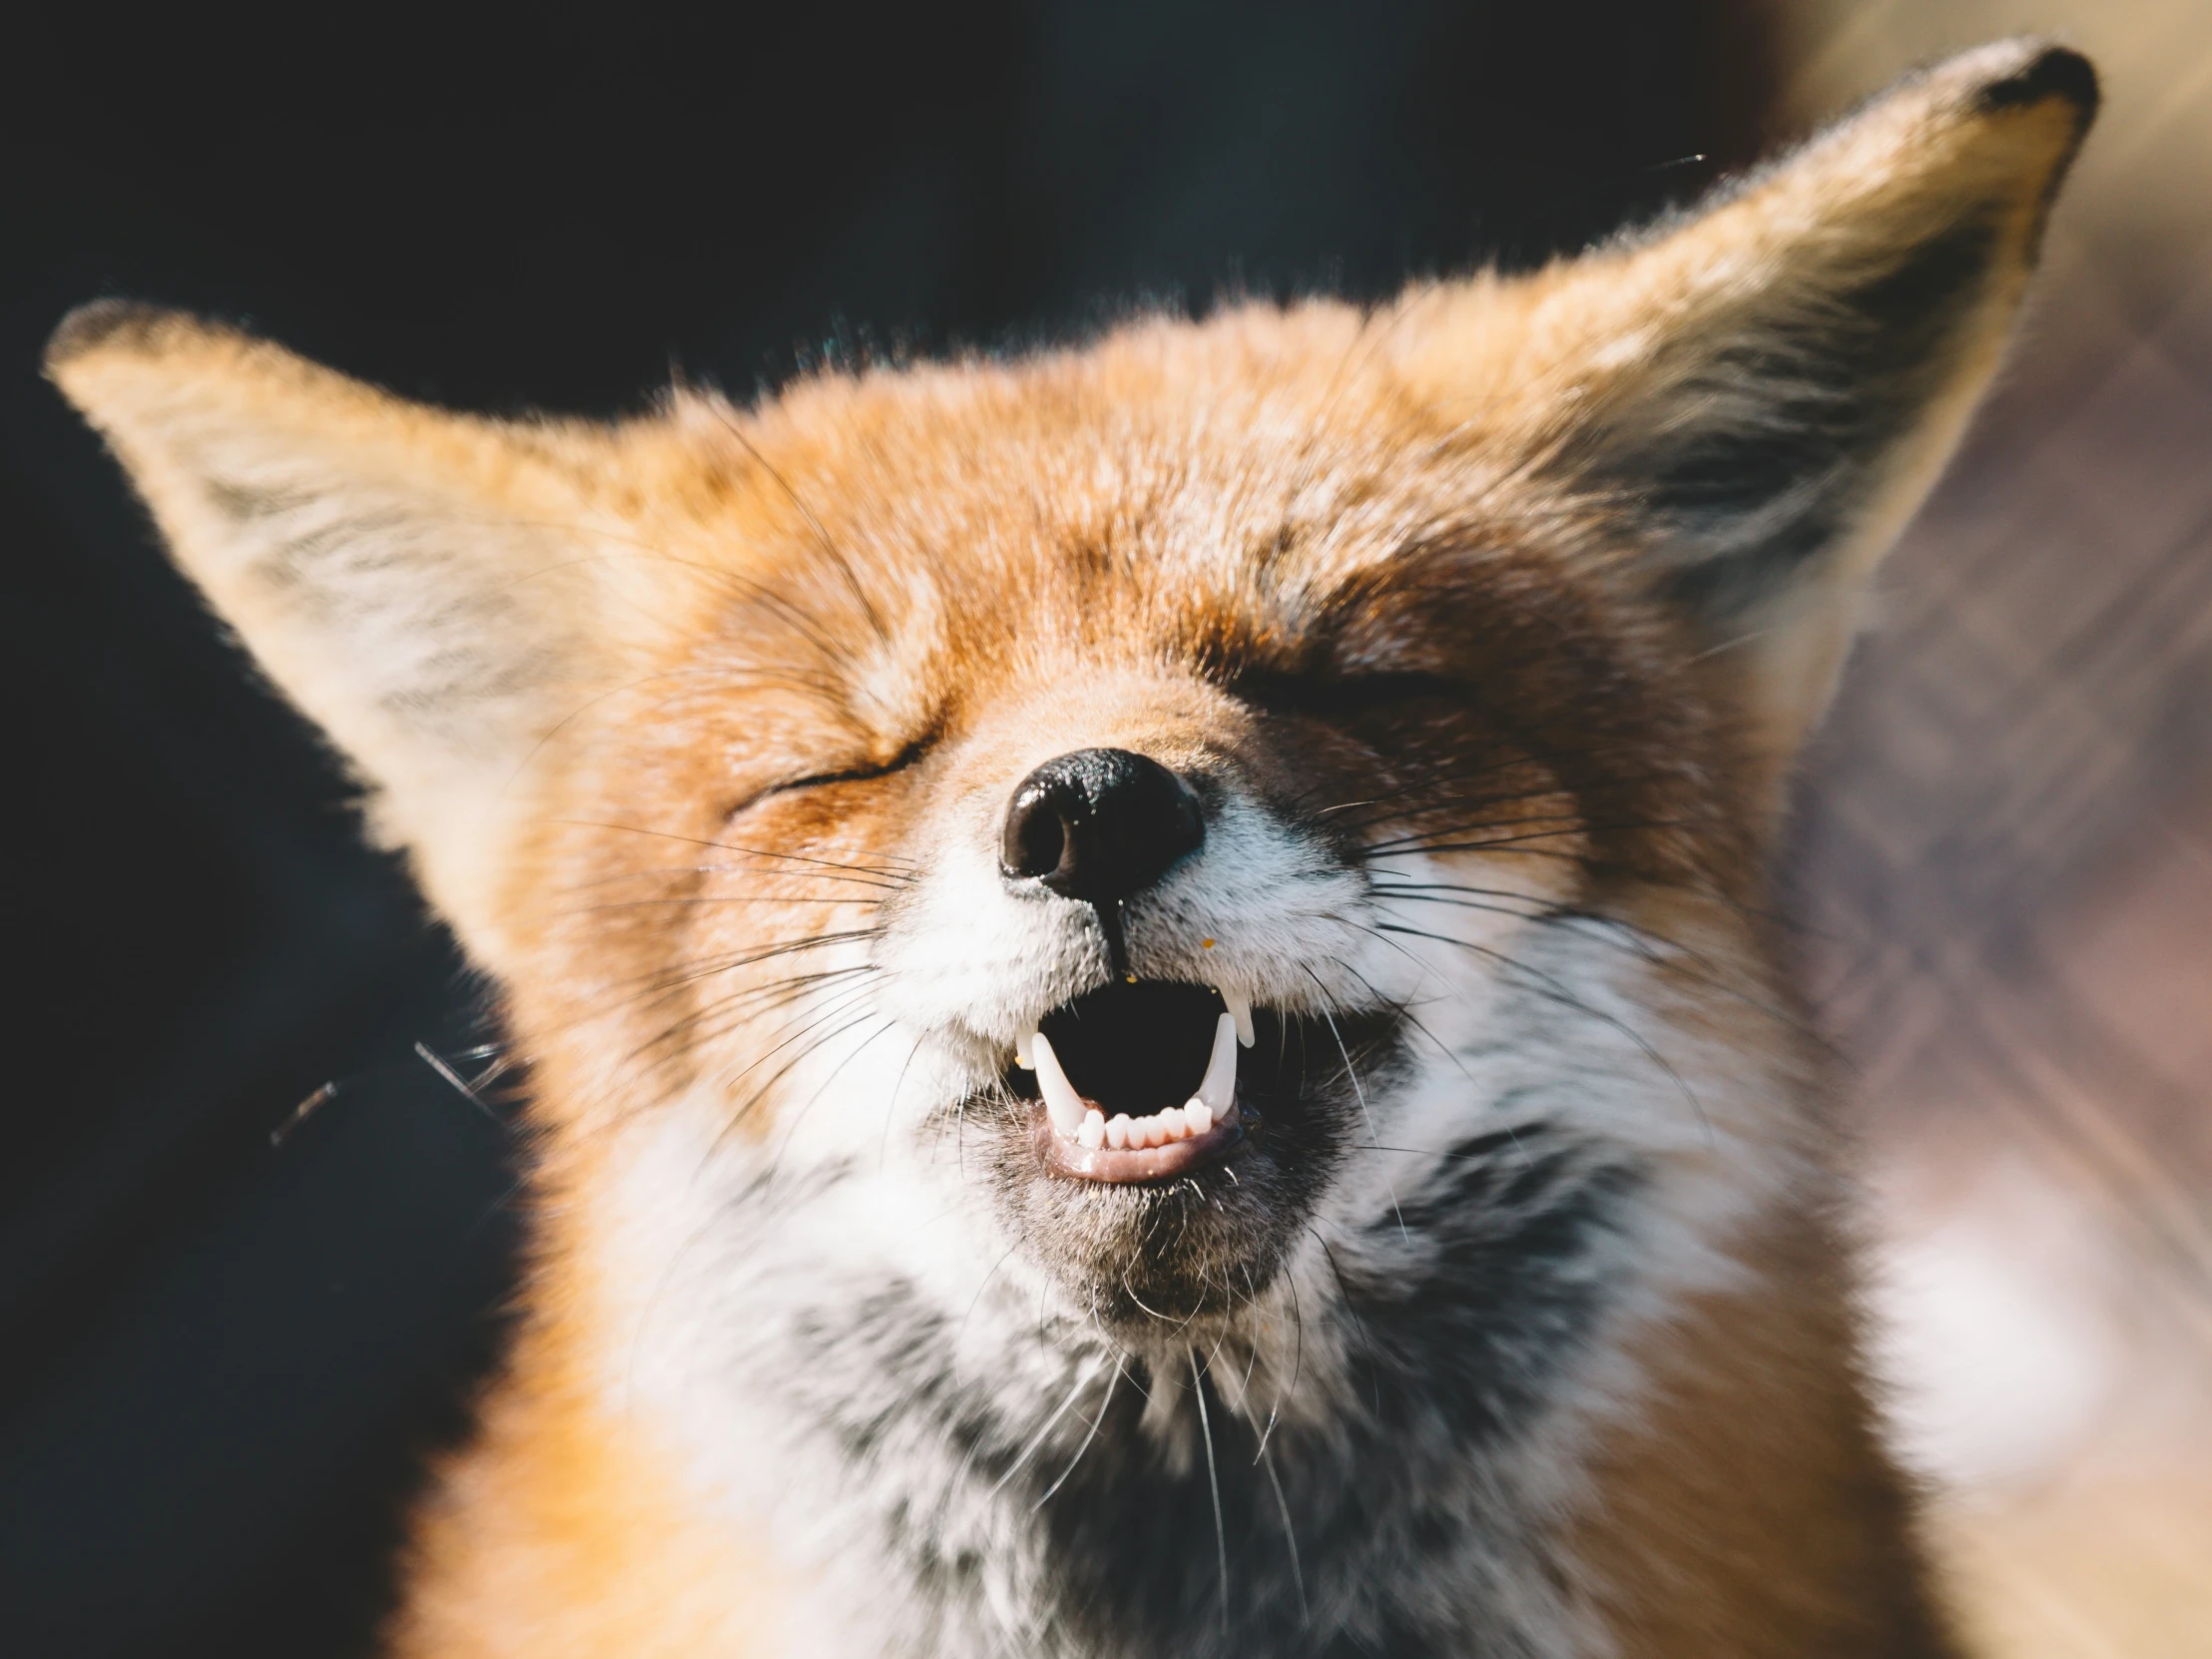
425 585
1758 394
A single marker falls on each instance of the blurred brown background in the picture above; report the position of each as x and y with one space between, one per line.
2006 873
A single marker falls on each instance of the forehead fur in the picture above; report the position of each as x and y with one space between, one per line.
1168 452
1214 495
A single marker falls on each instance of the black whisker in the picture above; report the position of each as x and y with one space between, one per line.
821 535
1548 986
1358 1090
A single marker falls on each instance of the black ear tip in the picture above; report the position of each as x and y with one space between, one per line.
2052 72
105 323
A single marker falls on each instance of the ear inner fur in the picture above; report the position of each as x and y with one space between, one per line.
439 593
1754 395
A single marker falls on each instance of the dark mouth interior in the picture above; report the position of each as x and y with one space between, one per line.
1142 1047
1131 1048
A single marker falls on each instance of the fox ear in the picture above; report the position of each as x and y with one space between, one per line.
1762 392
422 585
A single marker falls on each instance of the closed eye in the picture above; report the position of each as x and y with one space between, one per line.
847 774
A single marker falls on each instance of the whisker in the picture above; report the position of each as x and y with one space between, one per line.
726 1014
759 1094
1297 1365
1251 1301
764 998
1037 1440
1405 1010
890 1106
1289 1535
1367 1342
454 1077
723 846
1358 1091
1548 986
1089 1437
1478 1151
704 900
836 1008
808 1105
1423 844
1427 840
689 971
821 535
1213 1485
1622 934
1164 1319
868 875
960 1330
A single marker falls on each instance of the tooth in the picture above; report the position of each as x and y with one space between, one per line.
1239 1010
1218 1086
1171 1123
1092 1135
1155 1132
1022 1056
1117 1130
1198 1115
1061 1103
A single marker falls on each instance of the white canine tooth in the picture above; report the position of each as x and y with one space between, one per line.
1061 1103
1092 1135
1198 1116
1171 1123
1022 1056
1218 1086
1239 1010
1117 1130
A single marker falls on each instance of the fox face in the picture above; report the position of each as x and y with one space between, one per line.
1142 967
1122 888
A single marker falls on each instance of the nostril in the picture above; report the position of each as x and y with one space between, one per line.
1036 841
1099 825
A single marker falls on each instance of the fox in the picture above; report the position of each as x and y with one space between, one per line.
1144 965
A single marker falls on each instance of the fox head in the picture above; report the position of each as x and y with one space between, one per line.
1230 855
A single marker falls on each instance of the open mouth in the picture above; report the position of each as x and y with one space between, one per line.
1152 1157
1145 1082
1136 1082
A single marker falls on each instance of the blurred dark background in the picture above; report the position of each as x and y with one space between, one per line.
224 1355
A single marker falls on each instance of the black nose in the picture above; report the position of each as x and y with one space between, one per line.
1099 825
